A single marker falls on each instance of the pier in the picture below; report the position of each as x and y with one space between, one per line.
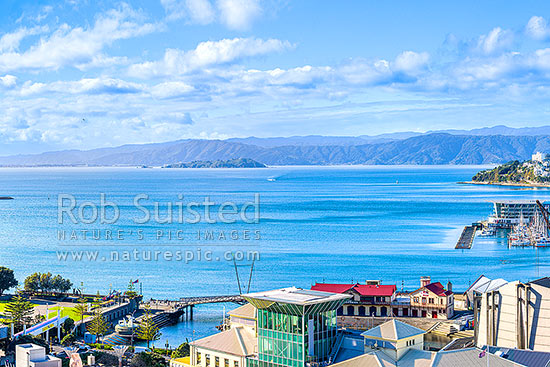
466 238
184 306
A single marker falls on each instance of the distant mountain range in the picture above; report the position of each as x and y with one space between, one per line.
497 144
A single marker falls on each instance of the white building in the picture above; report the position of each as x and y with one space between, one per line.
394 338
32 355
538 157
516 315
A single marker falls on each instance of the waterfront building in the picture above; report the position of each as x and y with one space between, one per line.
295 327
289 327
516 315
394 338
508 213
229 348
480 286
32 355
432 300
372 299
244 316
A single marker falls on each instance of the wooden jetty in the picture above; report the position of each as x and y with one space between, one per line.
466 238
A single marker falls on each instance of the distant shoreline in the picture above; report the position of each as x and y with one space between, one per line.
504 184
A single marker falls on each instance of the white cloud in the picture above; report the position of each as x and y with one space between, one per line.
239 14
77 46
10 41
496 40
410 61
83 86
537 28
196 11
8 81
234 14
171 90
207 54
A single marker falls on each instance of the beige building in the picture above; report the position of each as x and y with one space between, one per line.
394 338
516 315
226 349
432 300
32 355
244 316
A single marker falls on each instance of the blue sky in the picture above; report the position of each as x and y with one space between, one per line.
79 74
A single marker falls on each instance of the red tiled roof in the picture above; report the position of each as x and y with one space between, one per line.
438 289
375 290
332 288
362 289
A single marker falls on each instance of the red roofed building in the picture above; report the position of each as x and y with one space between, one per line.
371 299
432 300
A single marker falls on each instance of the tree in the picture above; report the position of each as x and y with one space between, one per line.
68 326
46 282
19 311
98 326
183 350
81 308
32 283
131 292
7 279
148 330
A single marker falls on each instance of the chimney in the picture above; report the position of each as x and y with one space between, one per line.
424 281
449 286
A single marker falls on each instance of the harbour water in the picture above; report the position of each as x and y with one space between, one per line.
333 224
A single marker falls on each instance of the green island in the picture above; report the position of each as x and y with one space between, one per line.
534 172
231 163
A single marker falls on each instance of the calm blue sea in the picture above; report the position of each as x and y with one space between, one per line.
333 224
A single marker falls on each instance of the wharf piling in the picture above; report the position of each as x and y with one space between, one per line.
466 238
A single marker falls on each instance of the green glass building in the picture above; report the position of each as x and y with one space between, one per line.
295 326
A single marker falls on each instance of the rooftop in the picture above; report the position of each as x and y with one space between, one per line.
380 290
393 330
246 311
296 296
238 341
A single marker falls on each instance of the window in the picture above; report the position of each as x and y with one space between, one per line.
236 364
431 300
226 362
217 362
423 300
416 299
198 358
207 360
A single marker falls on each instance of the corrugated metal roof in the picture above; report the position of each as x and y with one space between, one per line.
246 311
381 290
528 358
298 296
471 357
237 341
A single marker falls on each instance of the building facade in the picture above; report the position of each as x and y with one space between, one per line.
516 315
295 327
372 299
432 300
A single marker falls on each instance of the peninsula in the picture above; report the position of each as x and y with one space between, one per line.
531 173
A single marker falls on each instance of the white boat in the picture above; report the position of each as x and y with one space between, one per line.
487 232
271 179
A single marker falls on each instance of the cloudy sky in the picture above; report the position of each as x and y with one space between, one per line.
92 73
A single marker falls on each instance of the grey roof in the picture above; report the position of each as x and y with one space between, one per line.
545 282
416 358
296 296
528 358
471 357
393 330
